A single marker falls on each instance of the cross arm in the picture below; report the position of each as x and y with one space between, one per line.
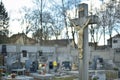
80 23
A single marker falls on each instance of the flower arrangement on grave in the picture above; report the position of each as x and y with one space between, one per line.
13 75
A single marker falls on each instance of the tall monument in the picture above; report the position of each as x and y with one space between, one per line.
83 14
80 25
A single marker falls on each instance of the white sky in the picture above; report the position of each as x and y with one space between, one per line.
13 7
16 4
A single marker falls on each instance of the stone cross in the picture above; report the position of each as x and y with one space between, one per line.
80 25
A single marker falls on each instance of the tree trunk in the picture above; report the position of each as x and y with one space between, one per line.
110 41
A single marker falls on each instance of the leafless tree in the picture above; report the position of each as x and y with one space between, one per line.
108 19
42 24
69 5
50 20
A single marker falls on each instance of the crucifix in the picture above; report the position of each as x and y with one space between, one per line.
80 38
80 30
80 24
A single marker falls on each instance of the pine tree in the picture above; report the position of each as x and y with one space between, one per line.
4 20
4 24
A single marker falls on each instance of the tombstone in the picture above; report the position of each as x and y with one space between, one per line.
101 75
118 74
95 61
66 65
50 65
28 64
1 59
34 66
4 50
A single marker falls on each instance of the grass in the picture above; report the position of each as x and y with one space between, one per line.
65 78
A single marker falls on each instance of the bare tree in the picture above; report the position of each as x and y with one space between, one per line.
110 18
67 6
26 20
42 24
48 21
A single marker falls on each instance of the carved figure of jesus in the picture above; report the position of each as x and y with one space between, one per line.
80 40
80 30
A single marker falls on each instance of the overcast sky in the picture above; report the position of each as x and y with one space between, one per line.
13 7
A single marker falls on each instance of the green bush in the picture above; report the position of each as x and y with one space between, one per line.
116 69
94 78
